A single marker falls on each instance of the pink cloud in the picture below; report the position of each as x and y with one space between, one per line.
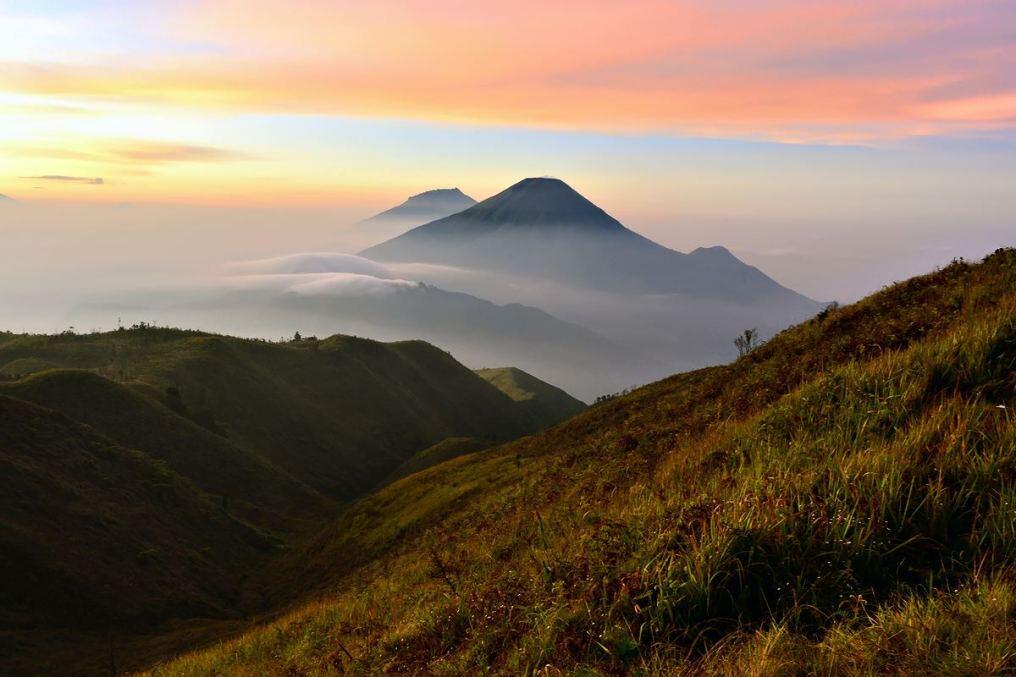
778 69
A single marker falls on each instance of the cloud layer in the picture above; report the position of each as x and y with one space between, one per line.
322 274
317 262
349 284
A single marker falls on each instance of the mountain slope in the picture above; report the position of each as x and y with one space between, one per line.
426 206
247 483
94 533
337 414
548 403
418 209
476 331
445 450
544 228
545 404
837 501
148 474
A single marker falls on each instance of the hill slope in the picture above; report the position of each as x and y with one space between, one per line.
426 206
545 404
250 485
418 209
548 403
839 500
445 450
337 414
476 331
97 535
543 228
133 507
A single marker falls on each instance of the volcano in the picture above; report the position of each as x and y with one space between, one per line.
543 228
425 207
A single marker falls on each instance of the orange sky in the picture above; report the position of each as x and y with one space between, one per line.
149 96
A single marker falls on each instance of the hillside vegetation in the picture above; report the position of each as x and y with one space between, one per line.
547 404
445 450
838 501
151 479
246 482
97 535
337 414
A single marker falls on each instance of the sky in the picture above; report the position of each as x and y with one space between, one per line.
837 145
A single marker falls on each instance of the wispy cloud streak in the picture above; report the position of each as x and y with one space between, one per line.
60 178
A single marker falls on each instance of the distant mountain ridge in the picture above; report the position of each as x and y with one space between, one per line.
420 208
430 204
530 203
476 331
542 227
479 332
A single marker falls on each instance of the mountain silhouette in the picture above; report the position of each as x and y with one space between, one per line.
530 203
543 228
422 208
427 206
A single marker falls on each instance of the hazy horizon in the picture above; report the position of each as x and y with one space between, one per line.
103 247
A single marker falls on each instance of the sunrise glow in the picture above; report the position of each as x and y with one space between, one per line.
210 101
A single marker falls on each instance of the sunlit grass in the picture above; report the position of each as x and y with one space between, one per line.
839 501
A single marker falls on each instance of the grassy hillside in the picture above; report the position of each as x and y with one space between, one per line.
837 501
24 366
445 450
337 414
244 481
97 535
548 404
183 466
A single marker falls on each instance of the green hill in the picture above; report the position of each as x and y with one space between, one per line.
547 404
154 477
445 450
25 365
838 501
251 486
544 404
337 414
98 536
